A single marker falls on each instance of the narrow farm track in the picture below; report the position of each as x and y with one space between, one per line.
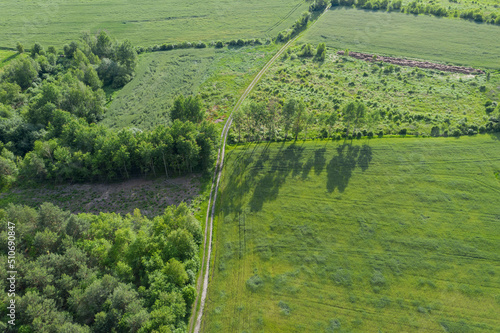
205 267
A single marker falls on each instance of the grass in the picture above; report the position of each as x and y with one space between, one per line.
396 97
424 37
149 22
219 75
381 235
6 56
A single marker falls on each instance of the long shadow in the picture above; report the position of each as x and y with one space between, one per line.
319 161
341 166
280 166
258 175
365 157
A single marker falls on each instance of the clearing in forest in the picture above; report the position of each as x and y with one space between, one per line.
219 75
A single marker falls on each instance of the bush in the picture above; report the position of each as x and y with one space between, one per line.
219 44
201 45
254 283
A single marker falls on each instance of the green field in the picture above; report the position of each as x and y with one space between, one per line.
149 22
381 235
423 37
218 75
6 56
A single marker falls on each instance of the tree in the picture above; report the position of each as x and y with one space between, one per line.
103 46
349 114
8 168
36 49
189 108
299 118
21 71
288 112
307 50
321 52
121 158
257 117
272 118
330 120
19 48
308 120
239 121
354 112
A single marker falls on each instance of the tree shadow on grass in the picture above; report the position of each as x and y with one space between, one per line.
319 161
341 166
286 162
258 175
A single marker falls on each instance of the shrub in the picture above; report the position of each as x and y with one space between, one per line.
219 44
378 279
254 283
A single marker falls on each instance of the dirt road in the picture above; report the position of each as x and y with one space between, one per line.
203 284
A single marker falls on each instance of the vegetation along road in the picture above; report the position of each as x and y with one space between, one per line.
203 284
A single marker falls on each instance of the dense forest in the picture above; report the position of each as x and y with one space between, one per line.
100 273
50 106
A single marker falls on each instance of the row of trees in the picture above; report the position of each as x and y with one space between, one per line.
201 45
100 273
418 7
297 27
74 151
269 121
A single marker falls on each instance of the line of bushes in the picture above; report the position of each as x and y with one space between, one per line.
201 45
418 7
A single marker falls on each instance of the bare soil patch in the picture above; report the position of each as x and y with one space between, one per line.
151 197
413 63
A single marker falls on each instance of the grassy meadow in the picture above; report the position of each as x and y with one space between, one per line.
145 23
219 75
381 235
396 97
6 56
429 38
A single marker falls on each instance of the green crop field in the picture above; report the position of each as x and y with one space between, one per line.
423 37
6 56
381 235
144 23
217 74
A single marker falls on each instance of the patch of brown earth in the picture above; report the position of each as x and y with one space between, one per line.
413 63
151 197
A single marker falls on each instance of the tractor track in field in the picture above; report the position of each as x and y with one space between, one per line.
195 324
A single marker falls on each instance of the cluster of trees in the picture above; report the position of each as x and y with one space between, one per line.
73 151
318 6
418 7
50 104
307 51
201 45
100 273
297 27
274 120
